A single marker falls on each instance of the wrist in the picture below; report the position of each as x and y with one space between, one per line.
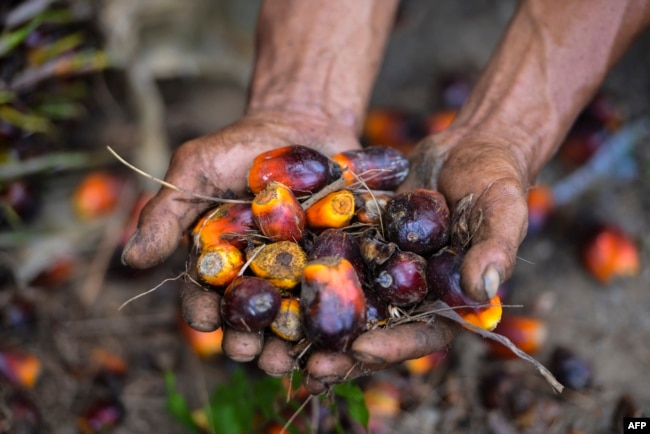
319 58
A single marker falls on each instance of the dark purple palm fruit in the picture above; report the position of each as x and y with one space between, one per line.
570 369
376 309
417 221
443 277
401 280
250 303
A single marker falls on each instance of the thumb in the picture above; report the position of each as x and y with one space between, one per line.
169 213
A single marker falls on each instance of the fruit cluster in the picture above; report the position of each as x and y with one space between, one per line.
327 248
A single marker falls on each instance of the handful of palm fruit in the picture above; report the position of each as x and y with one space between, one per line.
328 249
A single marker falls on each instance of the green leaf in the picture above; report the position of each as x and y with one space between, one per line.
177 404
26 121
353 394
266 393
9 41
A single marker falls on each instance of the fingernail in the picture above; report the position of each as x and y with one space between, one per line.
491 281
128 245
330 379
367 358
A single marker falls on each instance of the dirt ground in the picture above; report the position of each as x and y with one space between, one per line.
606 325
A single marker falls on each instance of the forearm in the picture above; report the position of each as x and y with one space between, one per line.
553 57
319 57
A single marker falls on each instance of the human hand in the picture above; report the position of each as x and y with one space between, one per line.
217 163
494 171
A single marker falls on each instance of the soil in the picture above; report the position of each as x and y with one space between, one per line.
607 326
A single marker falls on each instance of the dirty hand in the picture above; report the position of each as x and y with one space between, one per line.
217 163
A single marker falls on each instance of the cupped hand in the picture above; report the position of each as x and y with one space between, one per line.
493 172
219 162
458 163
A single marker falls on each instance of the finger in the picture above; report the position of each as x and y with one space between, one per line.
403 342
499 221
314 386
241 346
275 358
169 213
334 368
199 306
494 174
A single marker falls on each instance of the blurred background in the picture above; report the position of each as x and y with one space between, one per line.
77 76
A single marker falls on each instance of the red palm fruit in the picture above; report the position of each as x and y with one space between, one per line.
379 167
443 276
332 211
370 207
21 199
383 401
417 221
58 272
228 222
540 205
278 214
20 414
425 364
250 304
335 242
280 263
286 323
440 120
97 195
401 280
300 168
332 303
392 128
609 253
219 264
527 333
104 361
20 368
204 344
101 416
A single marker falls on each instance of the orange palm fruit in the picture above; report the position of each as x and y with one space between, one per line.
443 276
486 317
425 364
332 211
370 207
439 121
389 127
228 222
609 253
287 323
300 168
379 167
97 195
219 264
540 205
204 344
383 400
332 302
527 333
20 367
281 263
278 214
